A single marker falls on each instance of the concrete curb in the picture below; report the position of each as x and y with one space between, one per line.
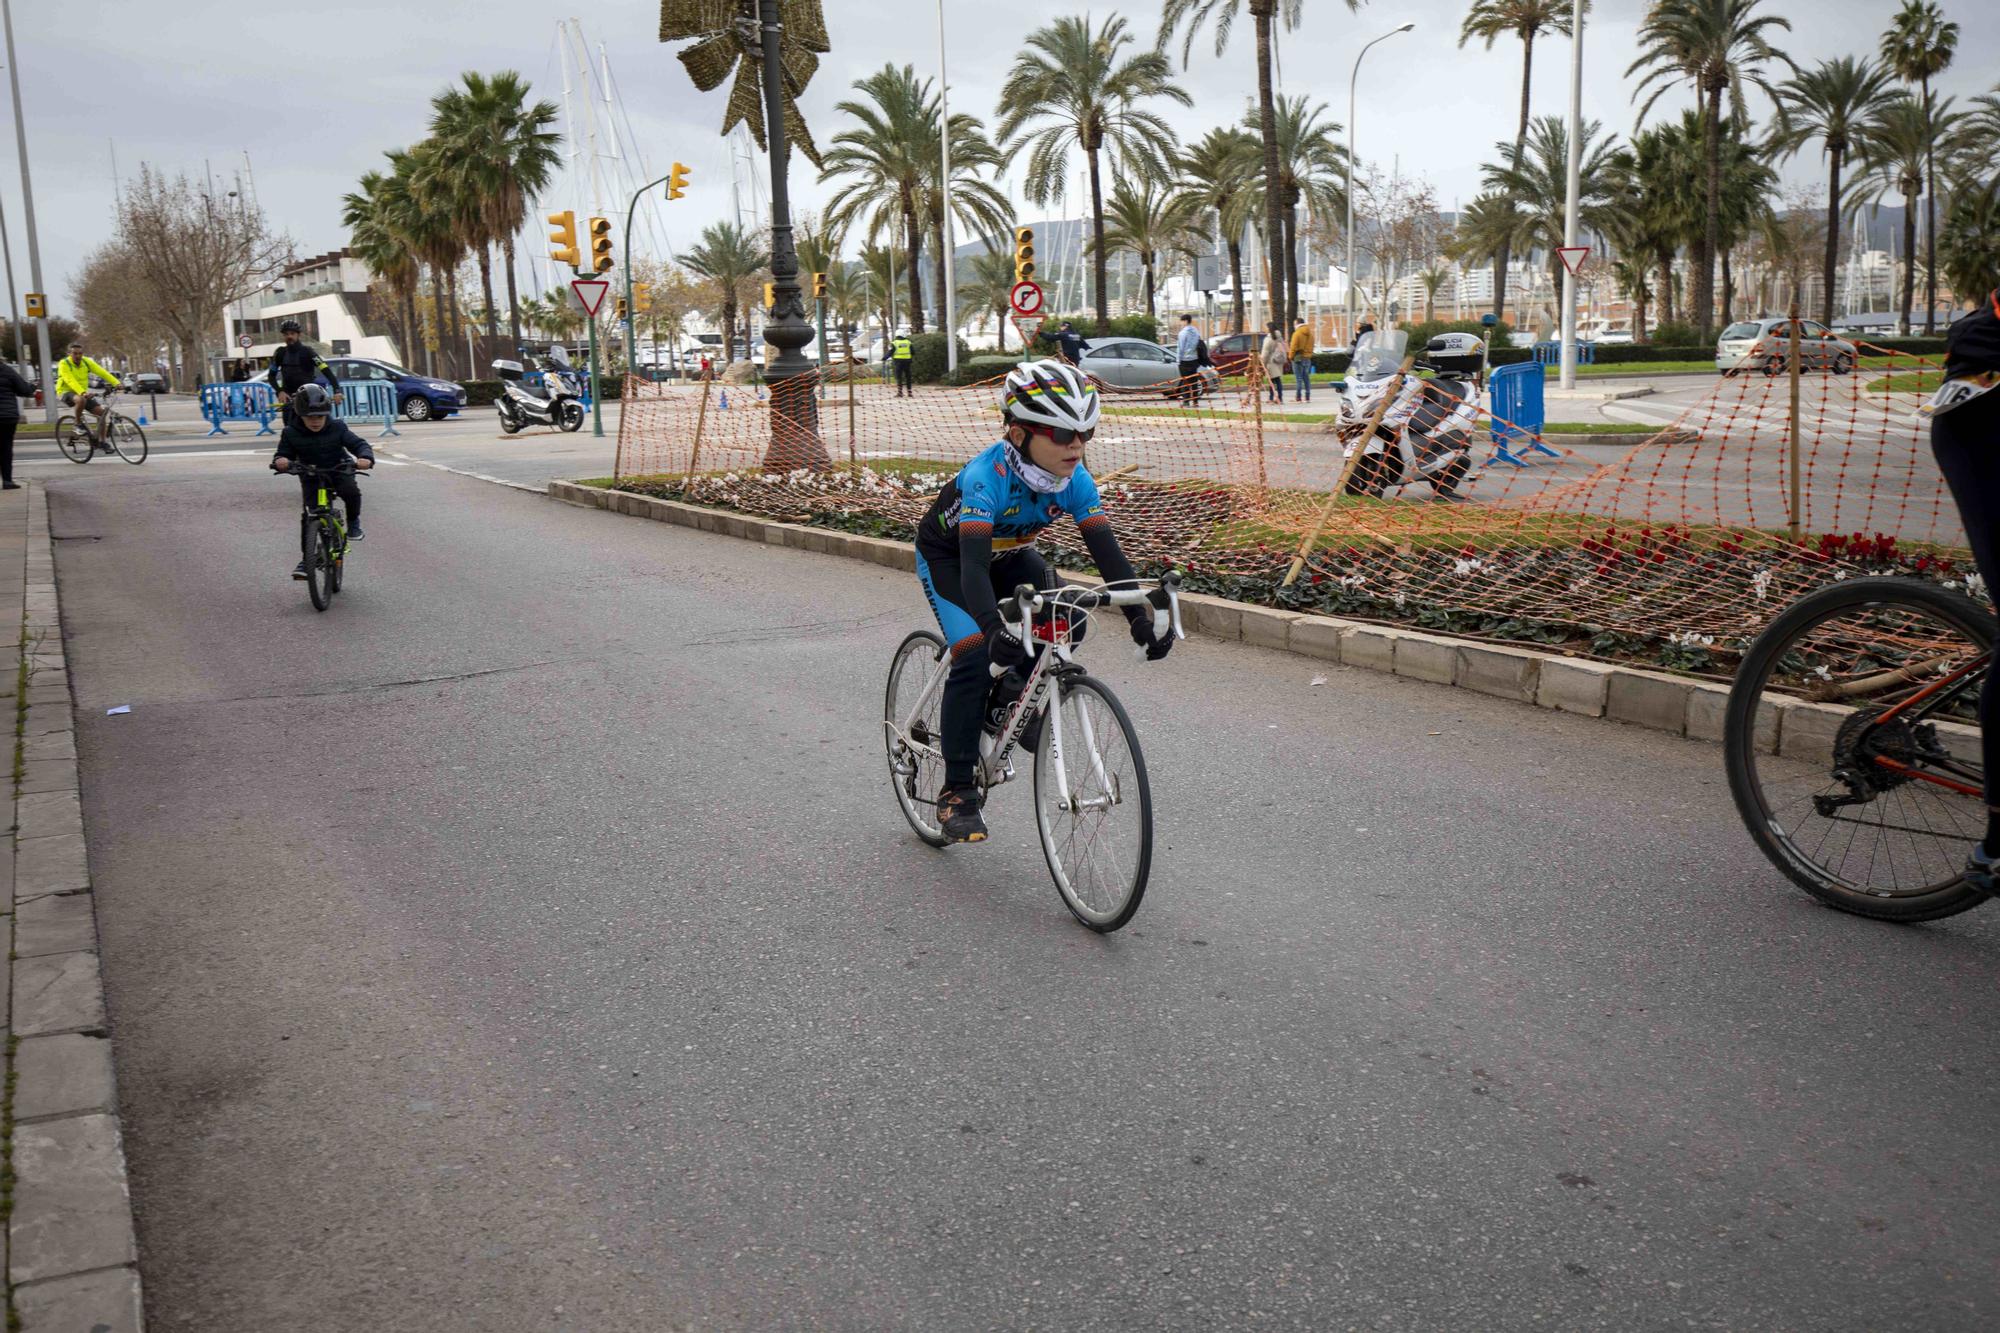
1678 705
72 1252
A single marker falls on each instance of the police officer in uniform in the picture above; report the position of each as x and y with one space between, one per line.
900 355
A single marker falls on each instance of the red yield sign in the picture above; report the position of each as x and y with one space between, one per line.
1573 257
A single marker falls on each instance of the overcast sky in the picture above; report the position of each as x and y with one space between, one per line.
313 97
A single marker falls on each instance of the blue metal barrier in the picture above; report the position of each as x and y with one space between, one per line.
1518 412
248 401
1551 353
369 400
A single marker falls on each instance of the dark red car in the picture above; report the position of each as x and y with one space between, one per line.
1233 351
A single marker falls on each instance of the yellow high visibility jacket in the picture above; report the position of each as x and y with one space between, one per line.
902 352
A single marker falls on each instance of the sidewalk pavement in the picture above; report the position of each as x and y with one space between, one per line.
70 1249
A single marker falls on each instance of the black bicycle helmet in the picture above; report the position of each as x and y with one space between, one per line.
289 326
312 400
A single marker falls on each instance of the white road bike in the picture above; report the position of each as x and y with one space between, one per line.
1093 805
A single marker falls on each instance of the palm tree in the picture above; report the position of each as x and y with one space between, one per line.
1901 140
1716 46
1970 249
1918 47
372 236
729 257
1486 226
992 285
1527 20
505 153
1432 279
1659 215
1830 103
1537 186
419 215
883 165
1263 14
1313 170
1748 182
1071 87
977 205
1213 175
1149 222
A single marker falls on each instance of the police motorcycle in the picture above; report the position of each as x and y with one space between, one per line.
1426 429
558 401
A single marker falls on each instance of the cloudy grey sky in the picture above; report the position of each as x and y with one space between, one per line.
314 97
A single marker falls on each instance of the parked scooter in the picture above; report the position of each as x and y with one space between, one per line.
558 401
1425 433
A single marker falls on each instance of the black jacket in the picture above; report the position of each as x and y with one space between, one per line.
14 386
295 365
326 449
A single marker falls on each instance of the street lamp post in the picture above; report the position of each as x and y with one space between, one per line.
946 259
627 252
1352 82
795 440
48 368
1573 192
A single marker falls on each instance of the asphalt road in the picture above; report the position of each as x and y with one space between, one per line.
532 942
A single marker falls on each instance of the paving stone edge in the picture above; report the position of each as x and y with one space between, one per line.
71 1249
1656 700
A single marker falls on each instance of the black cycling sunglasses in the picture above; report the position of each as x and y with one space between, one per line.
1063 434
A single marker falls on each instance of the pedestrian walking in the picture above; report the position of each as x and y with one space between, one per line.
1302 362
1274 356
1188 349
901 358
14 386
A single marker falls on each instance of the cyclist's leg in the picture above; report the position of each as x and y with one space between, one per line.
1963 445
349 491
965 687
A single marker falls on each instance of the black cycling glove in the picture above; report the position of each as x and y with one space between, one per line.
1155 646
1004 650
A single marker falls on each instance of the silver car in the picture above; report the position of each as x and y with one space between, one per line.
1764 344
1134 363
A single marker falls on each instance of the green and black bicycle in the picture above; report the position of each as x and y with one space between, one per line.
322 532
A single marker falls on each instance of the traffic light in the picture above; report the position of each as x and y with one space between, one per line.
562 239
642 296
1024 254
600 245
819 286
770 295
677 181
621 308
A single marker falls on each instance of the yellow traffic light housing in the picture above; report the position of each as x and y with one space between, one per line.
819 286
562 239
642 296
621 308
770 295
600 245
677 181
1024 254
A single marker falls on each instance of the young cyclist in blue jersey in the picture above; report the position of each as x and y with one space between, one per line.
977 543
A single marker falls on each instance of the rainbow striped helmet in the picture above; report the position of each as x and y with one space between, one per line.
1049 393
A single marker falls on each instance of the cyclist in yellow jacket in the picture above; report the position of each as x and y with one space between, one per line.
73 374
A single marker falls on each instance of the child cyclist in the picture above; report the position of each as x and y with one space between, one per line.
977 544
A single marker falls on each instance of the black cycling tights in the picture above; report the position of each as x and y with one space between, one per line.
966 688
346 488
1967 445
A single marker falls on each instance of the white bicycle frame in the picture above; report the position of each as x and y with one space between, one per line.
1026 603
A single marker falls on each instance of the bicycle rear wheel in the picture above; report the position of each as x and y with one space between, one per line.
318 567
912 729
1852 745
1097 821
128 439
74 438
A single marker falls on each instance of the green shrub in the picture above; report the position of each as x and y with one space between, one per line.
1424 330
1677 333
981 368
1122 326
927 357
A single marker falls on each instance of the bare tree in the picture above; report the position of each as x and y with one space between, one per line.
120 310
198 253
1399 226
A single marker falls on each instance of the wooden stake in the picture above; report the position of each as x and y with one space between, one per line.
1340 486
1797 517
701 418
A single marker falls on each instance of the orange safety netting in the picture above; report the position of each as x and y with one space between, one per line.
1672 546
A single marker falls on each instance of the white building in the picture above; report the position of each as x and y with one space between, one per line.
333 298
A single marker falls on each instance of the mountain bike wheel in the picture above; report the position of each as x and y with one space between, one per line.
1875 817
916 766
333 537
128 439
318 586
1097 825
74 439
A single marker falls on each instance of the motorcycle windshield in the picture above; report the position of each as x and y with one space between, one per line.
1380 354
559 357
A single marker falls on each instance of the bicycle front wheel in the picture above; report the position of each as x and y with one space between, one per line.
1852 745
1093 805
333 538
128 439
73 437
913 730
319 578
